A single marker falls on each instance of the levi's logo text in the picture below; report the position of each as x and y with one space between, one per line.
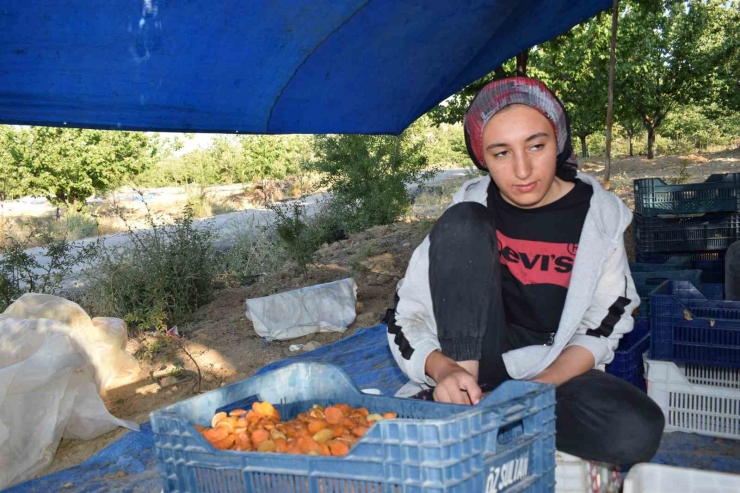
537 262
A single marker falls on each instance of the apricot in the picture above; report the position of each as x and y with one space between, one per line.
333 415
259 435
338 447
216 418
316 426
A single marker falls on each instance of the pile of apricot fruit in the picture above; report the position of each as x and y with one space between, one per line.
329 431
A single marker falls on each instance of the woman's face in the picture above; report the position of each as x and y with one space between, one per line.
520 151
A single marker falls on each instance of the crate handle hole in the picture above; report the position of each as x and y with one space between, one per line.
510 432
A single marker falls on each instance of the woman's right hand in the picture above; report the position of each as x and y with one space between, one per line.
455 384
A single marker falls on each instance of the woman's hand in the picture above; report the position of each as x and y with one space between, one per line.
455 384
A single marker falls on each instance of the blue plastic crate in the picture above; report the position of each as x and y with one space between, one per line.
687 328
645 282
719 193
706 232
505 442
712 264
628 363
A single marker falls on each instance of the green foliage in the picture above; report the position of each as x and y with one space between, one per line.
295 233
14 177
368 175
254 250
575 67
69 165
238 159
452 110
683 175
21 272
672 56
445 144
159 279
689 125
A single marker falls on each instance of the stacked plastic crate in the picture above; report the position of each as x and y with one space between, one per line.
693 369
681 233
696 222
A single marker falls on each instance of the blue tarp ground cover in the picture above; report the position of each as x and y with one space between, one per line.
129 465
295 66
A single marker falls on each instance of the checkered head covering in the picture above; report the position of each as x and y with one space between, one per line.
519 90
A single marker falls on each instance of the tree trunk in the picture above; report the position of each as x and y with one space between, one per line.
651 142
521 63
610 98
631 149
584 146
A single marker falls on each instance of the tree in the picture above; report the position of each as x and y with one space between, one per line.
14 179
631 124
272 156
669 56
575 66
368 174
69 165
453 109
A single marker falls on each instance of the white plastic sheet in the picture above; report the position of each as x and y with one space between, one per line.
326 307
52 358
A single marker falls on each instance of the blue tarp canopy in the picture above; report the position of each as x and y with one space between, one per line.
257 66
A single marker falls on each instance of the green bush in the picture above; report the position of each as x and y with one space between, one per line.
367 175
158 279
445 144
295 233
253 250
21 272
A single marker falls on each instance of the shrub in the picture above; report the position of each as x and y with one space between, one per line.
22 272
253 250
296 234
159 278
368 175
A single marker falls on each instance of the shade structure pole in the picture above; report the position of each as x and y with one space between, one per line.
610 104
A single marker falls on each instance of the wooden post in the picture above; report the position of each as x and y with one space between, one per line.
610 104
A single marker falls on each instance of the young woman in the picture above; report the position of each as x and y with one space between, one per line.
525 277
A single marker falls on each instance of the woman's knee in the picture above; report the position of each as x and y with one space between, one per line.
637 432
462 223
633 432
602 418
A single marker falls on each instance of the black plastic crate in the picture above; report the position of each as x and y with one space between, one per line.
719 193
705 232
673 263
711 264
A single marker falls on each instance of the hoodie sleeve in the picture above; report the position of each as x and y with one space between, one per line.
414 335
609 317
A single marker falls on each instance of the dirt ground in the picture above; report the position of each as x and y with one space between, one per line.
223 342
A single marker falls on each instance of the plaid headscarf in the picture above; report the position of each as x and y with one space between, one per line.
519 90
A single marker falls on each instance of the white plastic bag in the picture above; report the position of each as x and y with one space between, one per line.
103 339
326 307
48 384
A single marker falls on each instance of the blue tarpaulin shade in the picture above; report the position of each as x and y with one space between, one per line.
257 66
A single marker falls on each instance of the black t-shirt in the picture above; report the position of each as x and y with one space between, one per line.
537 249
